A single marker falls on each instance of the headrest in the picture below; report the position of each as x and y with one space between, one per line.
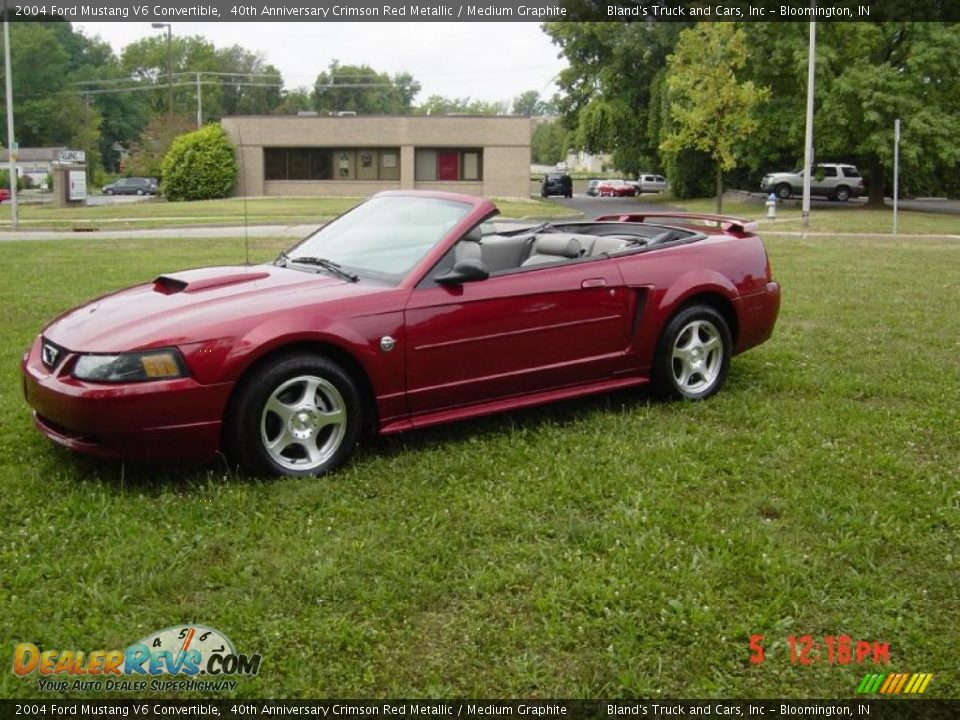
557 244
475 235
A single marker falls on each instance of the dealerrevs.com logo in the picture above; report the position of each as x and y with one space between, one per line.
183 652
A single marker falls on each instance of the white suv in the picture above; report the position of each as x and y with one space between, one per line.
834 181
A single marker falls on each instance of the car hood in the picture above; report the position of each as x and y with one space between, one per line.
195 305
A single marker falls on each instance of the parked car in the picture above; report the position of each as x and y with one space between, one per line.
616 188
650 183
556 183
132 186
400 314
834 181
4 194
592 187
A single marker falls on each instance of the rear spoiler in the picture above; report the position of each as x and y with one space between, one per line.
729 224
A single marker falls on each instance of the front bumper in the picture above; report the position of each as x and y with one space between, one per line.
163 421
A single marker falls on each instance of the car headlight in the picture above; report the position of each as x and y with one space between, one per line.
130 367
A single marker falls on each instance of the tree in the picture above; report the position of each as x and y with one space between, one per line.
146 60
294 101
199 165
896 70
608 89
252 88
361 89
710 110
147 153
440 105
530 104
549 142
49 109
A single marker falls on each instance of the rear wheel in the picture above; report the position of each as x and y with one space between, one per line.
693 355
783 191
298 415
842 193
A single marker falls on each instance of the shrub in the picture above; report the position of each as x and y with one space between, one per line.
199 166
691 174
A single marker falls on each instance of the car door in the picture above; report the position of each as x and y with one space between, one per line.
514 333
824 180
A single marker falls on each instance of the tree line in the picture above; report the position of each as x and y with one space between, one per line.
73 90
651 93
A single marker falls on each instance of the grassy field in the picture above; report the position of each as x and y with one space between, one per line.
607 547
157 213
837 219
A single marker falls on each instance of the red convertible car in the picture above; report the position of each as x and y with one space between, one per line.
616 188
402 313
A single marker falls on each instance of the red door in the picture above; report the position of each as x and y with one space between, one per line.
448 166
514 334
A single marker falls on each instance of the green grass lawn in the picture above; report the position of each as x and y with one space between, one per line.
838 219
607 547
158 212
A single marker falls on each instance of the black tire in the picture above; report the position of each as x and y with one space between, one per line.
108 192
783 191
842 193
677 337
139 192
569 195
249 424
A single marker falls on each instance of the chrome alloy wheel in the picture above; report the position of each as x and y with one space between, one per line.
303 422
697 357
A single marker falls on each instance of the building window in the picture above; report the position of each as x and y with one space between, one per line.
449 164
331 163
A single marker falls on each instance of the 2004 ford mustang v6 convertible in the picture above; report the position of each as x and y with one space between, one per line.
407 311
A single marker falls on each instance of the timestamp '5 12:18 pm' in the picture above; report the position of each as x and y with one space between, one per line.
830 649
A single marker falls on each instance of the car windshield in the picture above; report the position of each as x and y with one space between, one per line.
385 236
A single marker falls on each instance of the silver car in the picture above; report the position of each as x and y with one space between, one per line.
834 181
651 184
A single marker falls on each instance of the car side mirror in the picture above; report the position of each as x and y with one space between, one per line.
463 271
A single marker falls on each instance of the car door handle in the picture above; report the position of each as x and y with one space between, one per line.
593 283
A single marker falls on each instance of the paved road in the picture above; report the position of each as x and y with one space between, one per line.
294 232
116 199
592 207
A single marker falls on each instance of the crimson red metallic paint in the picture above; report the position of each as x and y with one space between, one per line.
417 350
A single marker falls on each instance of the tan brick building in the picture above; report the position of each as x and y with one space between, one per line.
357 156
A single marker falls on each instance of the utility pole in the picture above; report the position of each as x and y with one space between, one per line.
896 173
169 28
808 135
199 104
11 143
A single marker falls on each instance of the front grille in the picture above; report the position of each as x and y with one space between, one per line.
51 354
66 432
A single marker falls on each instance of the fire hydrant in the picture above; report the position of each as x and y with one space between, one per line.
771 207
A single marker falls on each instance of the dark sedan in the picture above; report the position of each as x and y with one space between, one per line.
132 186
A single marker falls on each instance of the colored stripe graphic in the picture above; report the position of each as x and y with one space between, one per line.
870 683
894 683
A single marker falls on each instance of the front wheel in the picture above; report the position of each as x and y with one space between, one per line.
693 355
297 415
783 191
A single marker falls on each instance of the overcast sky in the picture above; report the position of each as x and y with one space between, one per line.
486 61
